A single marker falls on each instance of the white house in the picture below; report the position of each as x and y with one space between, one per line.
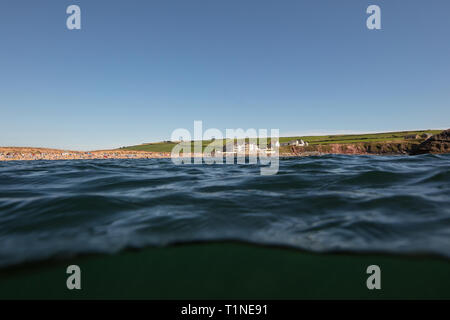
240 148
297 143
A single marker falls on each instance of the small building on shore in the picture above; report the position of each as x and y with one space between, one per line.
296 143
240 148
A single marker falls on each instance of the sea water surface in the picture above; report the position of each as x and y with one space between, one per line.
392 204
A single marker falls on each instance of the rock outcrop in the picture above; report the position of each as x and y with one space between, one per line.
439 143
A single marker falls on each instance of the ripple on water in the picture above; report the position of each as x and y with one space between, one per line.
335 202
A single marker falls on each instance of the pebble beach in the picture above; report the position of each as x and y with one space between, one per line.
21 153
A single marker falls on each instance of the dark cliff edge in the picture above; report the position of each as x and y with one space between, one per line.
439 143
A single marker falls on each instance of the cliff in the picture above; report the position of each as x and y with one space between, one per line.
439 143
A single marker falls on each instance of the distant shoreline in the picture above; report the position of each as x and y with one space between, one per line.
401 143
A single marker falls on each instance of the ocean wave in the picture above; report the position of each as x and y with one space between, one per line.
396 204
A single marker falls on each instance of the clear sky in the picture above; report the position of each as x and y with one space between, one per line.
139 69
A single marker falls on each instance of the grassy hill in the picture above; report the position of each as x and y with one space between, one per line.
167 146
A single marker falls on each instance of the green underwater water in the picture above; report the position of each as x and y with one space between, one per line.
230 271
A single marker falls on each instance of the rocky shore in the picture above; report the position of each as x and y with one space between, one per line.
439 143
19 153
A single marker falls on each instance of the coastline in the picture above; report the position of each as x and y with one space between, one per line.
36 154
436 144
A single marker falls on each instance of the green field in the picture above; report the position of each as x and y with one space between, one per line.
167 146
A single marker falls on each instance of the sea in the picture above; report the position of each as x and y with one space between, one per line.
332 203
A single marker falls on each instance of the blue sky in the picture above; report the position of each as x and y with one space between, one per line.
139 69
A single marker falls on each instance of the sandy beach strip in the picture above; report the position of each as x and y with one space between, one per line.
23 153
